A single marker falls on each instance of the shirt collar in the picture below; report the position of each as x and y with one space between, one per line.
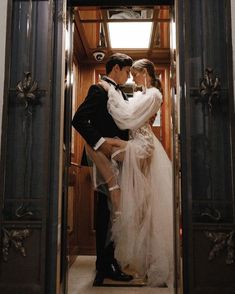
111 81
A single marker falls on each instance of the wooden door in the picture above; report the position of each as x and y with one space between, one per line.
207 145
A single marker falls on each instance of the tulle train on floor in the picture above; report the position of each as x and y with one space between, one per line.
143 234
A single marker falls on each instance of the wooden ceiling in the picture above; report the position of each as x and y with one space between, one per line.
91 32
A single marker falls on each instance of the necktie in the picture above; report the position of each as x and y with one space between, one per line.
118 88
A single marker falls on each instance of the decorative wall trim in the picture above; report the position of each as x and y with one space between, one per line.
27 90
210 87
212 213
23 211
13 237
28 93
222 241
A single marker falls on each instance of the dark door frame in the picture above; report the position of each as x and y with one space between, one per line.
182 142
74 3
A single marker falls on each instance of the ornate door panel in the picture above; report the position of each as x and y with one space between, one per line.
207 140
31 167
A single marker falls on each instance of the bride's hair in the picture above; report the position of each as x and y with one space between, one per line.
142 64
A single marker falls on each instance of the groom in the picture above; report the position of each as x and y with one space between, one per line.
94 123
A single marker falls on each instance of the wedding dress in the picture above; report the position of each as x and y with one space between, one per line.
143 234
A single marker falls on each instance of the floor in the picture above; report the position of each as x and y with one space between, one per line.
81 276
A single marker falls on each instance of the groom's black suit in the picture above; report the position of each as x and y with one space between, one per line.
93 122
92 119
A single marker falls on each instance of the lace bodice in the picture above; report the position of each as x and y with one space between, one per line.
144 136
145 130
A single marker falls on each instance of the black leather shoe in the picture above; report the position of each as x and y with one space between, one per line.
114 272
99 278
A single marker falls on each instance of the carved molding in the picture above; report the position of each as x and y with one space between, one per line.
23 211
212 213
210 88
222 242
27 90
14 238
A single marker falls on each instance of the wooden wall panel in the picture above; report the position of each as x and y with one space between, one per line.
164 132
84 198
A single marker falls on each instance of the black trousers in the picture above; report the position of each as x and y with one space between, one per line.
104 249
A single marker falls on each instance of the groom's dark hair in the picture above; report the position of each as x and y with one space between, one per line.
120 59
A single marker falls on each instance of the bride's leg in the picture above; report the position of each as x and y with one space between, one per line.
105 168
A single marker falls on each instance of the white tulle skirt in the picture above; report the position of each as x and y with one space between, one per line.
143 234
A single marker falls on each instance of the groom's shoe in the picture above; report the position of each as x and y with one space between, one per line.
114 272
99 278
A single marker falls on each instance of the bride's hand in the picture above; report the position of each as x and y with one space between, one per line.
105 85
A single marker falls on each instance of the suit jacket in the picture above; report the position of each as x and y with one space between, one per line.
92 119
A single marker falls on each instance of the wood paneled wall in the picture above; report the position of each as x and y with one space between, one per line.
83 234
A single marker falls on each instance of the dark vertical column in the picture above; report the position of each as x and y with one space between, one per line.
207 136
31 161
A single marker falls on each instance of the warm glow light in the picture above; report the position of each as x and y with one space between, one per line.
173 36
130 34
67 41
71 78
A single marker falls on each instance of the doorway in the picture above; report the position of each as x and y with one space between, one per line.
90 45
32 137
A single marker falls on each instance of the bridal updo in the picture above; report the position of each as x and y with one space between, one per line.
141 64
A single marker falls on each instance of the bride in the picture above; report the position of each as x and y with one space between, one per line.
139 177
